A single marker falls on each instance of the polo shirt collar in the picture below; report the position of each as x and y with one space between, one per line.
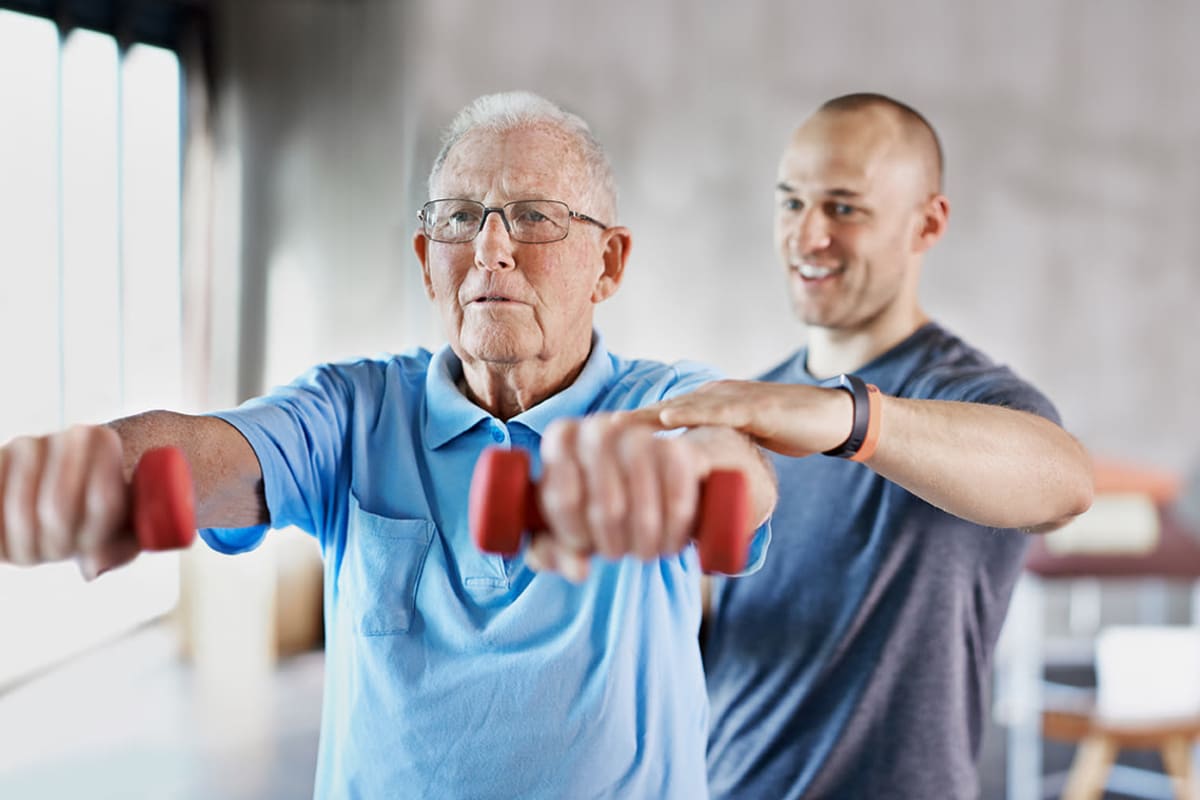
448 413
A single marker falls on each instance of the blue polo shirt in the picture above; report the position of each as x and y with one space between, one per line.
450 672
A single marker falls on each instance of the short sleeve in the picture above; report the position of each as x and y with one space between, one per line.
298 433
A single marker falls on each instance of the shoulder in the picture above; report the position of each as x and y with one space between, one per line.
946 367
373 372
641 382
790 370
359 382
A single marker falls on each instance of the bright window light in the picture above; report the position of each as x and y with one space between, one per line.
150 214
89 293
29 213
91 288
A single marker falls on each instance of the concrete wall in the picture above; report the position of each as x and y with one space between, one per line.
1071 130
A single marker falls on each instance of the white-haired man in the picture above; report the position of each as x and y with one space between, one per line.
451 672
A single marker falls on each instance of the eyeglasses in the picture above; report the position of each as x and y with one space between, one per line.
529 221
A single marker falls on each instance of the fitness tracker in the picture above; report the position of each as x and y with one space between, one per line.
864 433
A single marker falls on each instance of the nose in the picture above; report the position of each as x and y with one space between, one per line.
811 233
493 245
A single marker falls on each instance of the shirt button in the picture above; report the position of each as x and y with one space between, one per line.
497 435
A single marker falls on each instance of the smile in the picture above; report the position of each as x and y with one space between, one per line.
811 272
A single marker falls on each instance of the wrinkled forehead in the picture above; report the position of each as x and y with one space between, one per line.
518 164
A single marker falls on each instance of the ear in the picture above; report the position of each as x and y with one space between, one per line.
421 248
934 216
616 242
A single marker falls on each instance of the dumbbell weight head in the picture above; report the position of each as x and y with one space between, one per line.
161 496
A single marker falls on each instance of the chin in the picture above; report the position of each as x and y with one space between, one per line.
498 344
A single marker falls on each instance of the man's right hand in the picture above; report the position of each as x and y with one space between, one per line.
64 496
792 419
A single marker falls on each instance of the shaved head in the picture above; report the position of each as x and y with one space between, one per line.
917 135
859 203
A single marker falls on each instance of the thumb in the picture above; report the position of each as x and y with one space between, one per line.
108 555
648 415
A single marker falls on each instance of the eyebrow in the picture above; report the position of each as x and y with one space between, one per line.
784 186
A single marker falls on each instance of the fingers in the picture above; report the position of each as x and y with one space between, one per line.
60 505
643 488
681 493
4 480
720 403
562 495
546 553
4 461
26 457
106 499
611 487
62 495
649 416
607 508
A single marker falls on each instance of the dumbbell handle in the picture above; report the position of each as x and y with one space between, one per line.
504 505
162 504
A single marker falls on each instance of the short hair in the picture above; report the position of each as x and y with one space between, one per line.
507 111
919 130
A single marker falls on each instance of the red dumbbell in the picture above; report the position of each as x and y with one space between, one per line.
503 506
162 507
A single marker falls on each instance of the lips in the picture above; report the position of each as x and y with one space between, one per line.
492 298
493 292
815 272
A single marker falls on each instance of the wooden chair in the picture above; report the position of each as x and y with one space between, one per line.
1174 557
1099 742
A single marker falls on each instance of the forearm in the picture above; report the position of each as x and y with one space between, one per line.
988 464
225 471
725 448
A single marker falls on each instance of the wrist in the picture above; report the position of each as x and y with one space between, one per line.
864 429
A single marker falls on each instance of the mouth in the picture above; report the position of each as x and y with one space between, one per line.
812 272
492 299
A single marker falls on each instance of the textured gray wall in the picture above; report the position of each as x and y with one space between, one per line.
1071 129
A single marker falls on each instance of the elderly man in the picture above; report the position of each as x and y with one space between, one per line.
451 672
856 664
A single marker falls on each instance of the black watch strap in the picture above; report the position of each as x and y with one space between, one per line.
862 413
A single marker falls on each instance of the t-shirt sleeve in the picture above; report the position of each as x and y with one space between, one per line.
297 432
987 384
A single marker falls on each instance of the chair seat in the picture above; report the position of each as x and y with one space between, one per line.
1100 740
1072 725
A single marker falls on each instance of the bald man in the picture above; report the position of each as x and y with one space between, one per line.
911 467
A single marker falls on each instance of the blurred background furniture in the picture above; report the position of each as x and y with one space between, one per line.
1133 535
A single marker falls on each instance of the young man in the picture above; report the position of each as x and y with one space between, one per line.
856 663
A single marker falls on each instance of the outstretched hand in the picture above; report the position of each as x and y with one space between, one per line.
64 496
790 419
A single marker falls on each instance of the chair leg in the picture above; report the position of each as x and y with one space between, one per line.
1093 761
1177 758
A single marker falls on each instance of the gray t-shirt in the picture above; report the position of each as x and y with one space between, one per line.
856 663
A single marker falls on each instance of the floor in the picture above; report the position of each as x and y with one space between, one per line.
131 720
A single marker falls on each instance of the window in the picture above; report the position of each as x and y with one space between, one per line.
90 291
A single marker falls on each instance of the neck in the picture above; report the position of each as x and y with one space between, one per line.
832 351
505 389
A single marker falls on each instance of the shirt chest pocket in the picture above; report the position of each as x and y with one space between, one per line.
384 560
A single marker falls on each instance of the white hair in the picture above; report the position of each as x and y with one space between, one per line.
508 111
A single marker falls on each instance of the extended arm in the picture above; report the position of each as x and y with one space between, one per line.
987 464
65 495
